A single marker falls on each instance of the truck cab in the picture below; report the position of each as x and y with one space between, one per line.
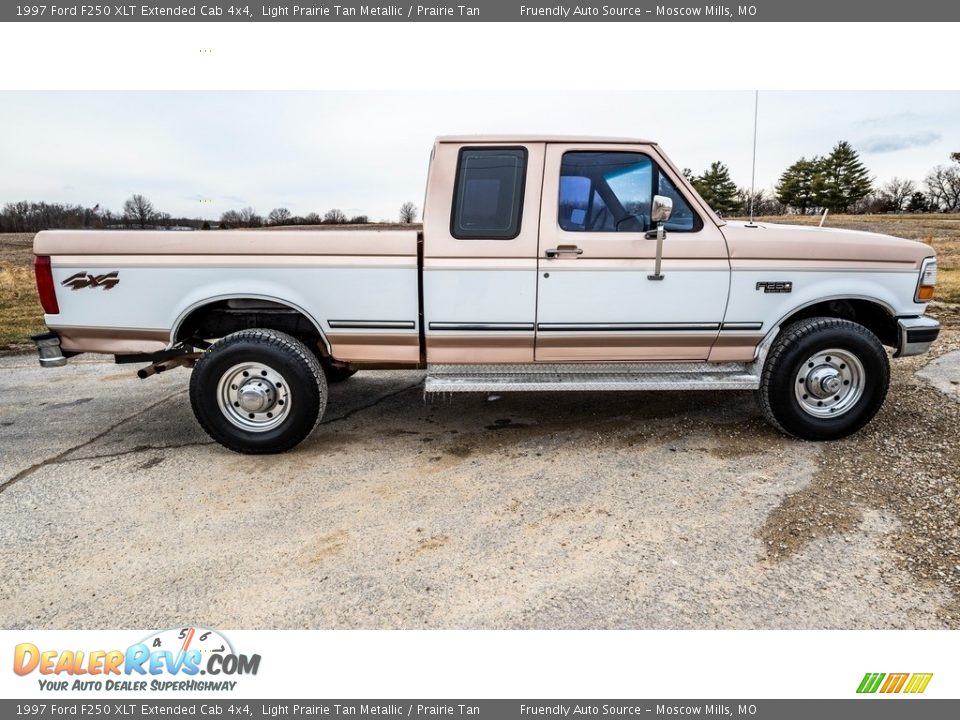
544 252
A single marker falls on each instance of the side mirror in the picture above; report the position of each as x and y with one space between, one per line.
661 209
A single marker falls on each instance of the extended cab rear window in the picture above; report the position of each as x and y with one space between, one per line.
488 193
613 191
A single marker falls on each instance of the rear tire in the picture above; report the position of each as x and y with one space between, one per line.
258 391
824 379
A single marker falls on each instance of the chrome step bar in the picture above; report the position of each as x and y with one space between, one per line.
592 377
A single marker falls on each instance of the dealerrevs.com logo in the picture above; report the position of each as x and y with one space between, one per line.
179 659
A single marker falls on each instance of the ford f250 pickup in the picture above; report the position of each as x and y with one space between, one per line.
544 263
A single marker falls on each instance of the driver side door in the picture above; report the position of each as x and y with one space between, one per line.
595 301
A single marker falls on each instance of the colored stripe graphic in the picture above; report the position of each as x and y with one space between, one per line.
870 682
894 683
918 682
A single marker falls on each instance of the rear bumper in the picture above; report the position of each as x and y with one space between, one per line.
915 335
48 349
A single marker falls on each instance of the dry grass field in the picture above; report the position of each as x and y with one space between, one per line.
20 313
21 316
940 231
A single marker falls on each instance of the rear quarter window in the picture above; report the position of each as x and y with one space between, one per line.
488 193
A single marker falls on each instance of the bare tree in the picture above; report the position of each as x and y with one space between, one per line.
943 188
229 219
359 220
139 210
312 219
334 217
279 216
408 213
249 218
896 192
17 216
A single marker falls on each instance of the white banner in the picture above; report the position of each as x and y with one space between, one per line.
470 664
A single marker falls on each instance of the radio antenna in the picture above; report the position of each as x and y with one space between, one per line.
753 169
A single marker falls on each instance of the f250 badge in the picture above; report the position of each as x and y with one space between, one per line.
775 287
82 280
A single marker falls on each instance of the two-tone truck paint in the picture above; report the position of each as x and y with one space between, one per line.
544 263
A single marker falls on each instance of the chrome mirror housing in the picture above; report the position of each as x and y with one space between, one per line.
661 209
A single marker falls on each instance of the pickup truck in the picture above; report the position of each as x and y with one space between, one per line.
544 263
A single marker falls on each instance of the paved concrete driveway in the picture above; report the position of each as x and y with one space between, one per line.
655 510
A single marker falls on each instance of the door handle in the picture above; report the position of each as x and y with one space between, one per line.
563 250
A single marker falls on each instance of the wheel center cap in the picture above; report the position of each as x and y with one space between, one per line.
830 384
256 396
824 381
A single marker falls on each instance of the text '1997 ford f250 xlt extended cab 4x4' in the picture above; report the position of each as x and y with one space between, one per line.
545 263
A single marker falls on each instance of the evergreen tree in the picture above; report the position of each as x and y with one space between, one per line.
717 189
918 203
796 185
842 180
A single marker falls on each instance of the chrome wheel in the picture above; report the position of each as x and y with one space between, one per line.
254 397
829 383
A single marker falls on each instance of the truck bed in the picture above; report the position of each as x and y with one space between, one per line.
132 291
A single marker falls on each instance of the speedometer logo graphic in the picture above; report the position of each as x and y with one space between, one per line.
181 640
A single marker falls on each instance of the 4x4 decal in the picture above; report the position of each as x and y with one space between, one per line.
81 280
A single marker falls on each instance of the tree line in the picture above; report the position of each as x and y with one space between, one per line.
139 213
249 218
839 182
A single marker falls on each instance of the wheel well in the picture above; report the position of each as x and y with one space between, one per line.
222 317
871 315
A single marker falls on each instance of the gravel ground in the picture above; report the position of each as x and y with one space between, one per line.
906 463
639 510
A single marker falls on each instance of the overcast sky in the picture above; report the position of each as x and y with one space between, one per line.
198 154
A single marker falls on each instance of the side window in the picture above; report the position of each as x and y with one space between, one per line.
613 191
682 217
605 191
488 197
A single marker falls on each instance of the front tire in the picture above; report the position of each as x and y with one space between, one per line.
824 379
258 391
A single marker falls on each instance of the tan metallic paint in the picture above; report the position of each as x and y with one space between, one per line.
774 247
480 348
439 243
340 243
375 348
578 348
731 347
220 261
112 341
819 248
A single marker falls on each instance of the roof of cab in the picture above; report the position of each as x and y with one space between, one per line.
542 138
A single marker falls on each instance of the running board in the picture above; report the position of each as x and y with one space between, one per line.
592 377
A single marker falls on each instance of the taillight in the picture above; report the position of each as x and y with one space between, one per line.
45 288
